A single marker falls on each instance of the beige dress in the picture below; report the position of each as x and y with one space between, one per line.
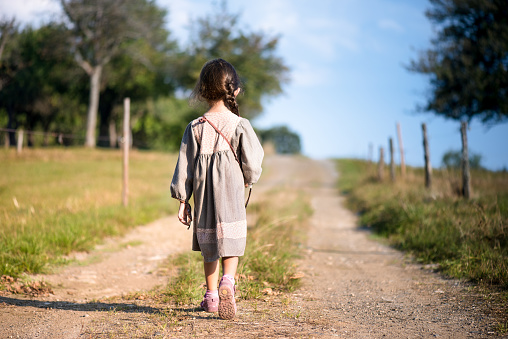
207 168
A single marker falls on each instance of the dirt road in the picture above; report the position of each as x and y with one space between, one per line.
354 286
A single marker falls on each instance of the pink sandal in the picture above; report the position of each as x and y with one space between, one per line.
210 303
227 304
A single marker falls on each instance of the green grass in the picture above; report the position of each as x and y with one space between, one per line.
273 245
469 239
54 201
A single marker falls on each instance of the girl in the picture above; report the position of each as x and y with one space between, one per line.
219 156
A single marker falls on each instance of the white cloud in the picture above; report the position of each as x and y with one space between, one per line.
391 25
30 11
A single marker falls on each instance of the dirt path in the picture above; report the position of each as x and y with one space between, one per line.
354 287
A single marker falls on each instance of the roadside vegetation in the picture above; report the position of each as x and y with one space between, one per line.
54 201
273 245
467 239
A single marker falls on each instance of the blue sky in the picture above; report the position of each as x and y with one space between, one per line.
349 86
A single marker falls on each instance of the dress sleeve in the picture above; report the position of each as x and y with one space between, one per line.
250 152
182 183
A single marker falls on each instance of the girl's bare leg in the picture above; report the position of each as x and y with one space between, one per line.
229 266
211 274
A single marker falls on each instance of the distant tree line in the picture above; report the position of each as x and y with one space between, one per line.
70 76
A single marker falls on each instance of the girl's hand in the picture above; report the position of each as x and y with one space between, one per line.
184 213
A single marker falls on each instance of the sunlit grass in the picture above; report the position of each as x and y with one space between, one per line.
54 201
273 244
468 238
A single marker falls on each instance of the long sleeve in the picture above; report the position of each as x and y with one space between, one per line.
182 183
250 151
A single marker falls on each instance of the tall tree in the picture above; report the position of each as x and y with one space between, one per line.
468 61
101 30
254 56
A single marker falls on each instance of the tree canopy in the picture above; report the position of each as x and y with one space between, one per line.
468 61
72 75
219 35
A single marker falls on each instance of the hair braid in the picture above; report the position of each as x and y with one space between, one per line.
230 99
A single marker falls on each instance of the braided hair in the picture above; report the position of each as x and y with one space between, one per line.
218 80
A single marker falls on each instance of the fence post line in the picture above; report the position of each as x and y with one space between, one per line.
392 159
7 142
466 177
401 148
381 164
20 141
428 167
126 146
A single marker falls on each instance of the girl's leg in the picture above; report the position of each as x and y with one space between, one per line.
211 274
229 266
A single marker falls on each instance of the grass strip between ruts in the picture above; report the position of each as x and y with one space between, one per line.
268 266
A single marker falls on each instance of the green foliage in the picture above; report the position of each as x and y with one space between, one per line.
284 140
453 159
467 63
253 55
266 263
161 123
55 201
468 238
41 91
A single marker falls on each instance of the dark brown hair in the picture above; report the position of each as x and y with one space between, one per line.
218 80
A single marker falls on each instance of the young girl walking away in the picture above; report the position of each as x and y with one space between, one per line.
220 155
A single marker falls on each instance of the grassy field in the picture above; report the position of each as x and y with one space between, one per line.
468 239
54 201
267 267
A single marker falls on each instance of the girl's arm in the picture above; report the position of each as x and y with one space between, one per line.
251 152
181 185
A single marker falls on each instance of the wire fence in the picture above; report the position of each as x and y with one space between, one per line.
21 138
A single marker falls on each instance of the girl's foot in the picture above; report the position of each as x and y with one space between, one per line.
227 304
210 302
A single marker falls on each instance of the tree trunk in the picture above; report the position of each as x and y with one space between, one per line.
93 106
428 167
466 178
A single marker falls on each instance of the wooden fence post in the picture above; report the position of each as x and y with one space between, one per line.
392 160
466 178
20 141
381 164
126 145
6 140
370 157
428 167
401 147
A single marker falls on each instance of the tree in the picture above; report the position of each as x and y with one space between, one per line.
468 61
102 29
42 92
453 159
252 54
284 140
